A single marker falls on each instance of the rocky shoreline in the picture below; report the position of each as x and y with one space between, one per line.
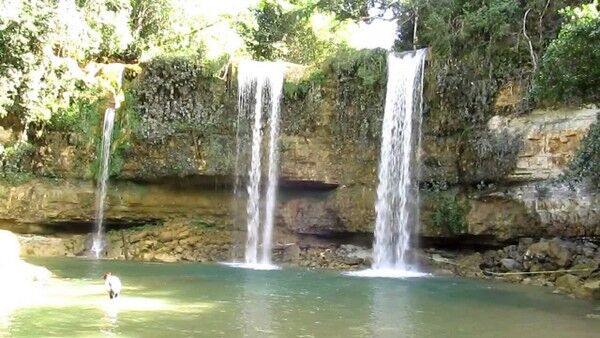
568 266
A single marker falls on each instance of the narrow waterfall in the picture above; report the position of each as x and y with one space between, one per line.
260 86
398 192
98 238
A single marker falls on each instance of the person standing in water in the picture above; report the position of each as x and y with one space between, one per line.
113 285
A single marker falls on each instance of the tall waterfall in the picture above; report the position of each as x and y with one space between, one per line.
98 238
260 86
397 205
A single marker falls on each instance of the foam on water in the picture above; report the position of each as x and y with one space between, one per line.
252 266
387 273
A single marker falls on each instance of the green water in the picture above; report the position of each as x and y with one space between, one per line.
193 300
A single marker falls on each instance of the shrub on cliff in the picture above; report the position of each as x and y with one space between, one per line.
360 78
570 68
179 93
586 162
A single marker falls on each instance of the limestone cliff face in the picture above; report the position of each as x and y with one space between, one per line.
328 174
67 205
530 201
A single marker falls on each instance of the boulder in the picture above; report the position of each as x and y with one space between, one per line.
524 243
560 252
191 241
491 258
572 284
511 264
584 270
592 288
538 250
353 251
138 236
45 246
512 252
165 258
555 250
470 265
166 236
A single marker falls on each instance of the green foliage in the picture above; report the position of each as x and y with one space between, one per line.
570 68
586 162
301 103
15 163
476 49
150 20
360 78
448 211
170 97
82 115
299 90
109 21
34 83
285 30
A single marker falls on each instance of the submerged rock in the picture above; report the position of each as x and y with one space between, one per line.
571 284
592 288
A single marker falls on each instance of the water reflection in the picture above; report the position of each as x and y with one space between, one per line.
256 310
109 323
6 311
392 308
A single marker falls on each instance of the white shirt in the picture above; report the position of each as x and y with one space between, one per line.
113 283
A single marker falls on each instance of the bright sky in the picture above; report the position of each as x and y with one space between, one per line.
377 34
223 38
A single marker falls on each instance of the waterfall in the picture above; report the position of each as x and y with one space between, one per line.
397 205
398 192
98 238
260 86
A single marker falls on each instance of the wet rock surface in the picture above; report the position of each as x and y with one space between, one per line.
569 266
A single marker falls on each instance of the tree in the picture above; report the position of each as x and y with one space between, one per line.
570 68
280 29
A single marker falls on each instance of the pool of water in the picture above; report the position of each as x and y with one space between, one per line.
185 300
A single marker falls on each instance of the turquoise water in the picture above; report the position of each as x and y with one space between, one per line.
193 300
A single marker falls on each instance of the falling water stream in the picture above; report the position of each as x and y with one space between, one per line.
260 86
98 237
397 202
